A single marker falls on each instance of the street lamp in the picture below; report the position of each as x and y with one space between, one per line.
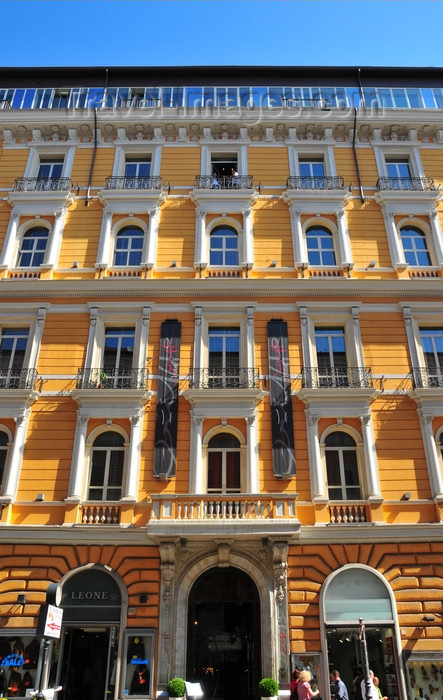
362 637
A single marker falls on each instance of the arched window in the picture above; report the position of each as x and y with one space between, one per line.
320 245
415 247
128 247
33 247
342 467
224 464
4 439
223 246
107 463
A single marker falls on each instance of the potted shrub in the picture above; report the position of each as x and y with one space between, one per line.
268 688
176 688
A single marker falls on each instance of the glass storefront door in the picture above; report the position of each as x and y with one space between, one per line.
87 663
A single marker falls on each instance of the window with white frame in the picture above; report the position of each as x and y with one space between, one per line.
50 168
415 246
331 357
118 357
137 170
224 356
107 467
129 242
342 473
32 247
320 246
13 346
224 464
5 441
223 247
432 347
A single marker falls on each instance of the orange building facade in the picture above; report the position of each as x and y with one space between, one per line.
221 377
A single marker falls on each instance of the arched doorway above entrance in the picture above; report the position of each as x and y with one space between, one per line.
223 640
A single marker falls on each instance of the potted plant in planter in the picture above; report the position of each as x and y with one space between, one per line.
176 688
268 688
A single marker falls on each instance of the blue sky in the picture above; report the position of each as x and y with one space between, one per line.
221 32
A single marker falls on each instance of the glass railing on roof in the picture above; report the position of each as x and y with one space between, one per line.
246 97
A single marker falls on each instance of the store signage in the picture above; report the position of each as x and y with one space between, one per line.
136 661
13 660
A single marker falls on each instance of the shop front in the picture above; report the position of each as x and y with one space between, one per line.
349 595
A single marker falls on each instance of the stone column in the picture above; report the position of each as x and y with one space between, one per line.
280 565
10 241
166 626
370 456
105 239
343 240
201 247
195 456
437 237
248 241
432 455
78 460
317 481
130 492
151 248
299 249
252 470
56 238
15 458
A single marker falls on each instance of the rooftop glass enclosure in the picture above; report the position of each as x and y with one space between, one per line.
222 97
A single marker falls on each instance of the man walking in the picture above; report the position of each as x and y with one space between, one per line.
340 690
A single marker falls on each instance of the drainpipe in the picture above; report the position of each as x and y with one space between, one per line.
91 170
362 197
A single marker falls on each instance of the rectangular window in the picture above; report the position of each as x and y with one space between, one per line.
331 357
224 357
118 357
311 167
13 343
50 169
432 344
137 167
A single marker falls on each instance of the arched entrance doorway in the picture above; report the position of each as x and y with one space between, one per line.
224 634
87 657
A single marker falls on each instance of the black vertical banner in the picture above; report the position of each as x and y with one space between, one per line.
283 454
165 445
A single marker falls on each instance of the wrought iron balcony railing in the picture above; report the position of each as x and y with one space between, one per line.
18 378
417 184
425 378
100 378
42 184
217 378
327 182
238 182
123 182
337 378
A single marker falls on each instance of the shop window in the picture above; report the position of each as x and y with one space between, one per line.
138 664
415 247
223 251
224 464
342 467
320 245
128 247
107 464
33 247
